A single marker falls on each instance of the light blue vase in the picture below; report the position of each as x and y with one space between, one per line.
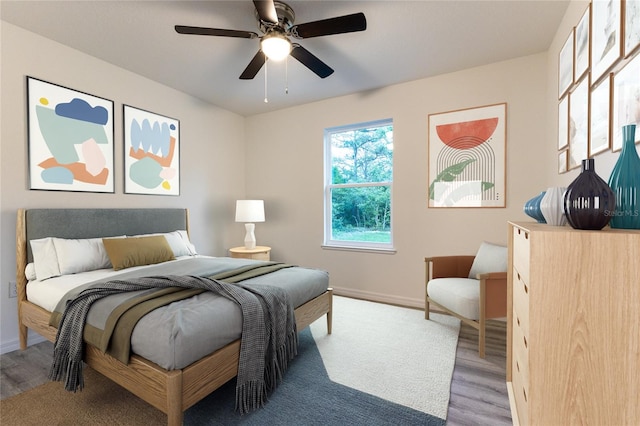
625 183
532 208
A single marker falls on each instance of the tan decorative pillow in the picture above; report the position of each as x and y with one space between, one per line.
136 251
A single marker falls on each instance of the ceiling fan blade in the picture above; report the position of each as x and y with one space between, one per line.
339 25
311 61
183 29
254 66
266 11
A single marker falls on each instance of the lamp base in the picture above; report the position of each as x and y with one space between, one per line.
250 237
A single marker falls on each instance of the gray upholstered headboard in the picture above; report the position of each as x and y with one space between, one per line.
95 223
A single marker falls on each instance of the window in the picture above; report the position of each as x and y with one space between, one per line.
358 185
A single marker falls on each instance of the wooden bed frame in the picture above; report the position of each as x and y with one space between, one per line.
170 391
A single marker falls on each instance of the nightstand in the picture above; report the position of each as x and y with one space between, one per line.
258 253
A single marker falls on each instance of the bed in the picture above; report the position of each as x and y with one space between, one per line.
171 390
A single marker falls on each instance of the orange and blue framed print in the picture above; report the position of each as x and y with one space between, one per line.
151 153
70 139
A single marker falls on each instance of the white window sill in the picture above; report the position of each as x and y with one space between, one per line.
360 249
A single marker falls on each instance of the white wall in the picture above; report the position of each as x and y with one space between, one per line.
212 150
285 167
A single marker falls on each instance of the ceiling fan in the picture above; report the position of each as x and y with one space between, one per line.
276 21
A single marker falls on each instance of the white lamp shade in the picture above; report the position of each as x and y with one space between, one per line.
250 211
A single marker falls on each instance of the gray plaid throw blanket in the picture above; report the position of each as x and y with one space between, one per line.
269 336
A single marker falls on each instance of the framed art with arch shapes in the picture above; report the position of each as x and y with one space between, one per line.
467 156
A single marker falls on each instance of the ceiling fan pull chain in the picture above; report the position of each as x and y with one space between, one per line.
286 76
266 100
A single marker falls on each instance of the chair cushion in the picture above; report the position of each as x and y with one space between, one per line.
461 295
490 258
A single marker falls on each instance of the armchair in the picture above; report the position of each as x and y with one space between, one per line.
471 288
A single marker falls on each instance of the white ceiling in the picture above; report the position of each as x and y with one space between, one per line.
404 41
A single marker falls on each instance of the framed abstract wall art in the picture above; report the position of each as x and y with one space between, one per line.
563 123
562 161
626 101
631 26
600 125
70 139
565 66
467 154
578 123
151 153
582 47
605 36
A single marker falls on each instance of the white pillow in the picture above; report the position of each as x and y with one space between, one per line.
45 258
490 258
30 272
81 255
184 237
178 241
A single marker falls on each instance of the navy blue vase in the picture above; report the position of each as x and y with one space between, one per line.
532 208
589 200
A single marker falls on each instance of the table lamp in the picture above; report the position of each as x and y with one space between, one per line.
250 211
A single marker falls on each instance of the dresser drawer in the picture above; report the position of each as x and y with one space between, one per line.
520 373
520 354
520 302
521 252
521 396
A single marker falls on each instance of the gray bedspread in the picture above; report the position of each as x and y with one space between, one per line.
179 334
269 336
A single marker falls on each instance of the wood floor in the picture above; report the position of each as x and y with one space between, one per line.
478 390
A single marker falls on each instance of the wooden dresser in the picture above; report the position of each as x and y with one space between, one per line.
573 335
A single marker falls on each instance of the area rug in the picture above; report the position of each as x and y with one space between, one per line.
382 365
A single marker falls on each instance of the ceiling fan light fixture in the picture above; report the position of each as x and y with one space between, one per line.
276 23
275 46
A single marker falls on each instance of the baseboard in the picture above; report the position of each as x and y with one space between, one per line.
14 345
378 297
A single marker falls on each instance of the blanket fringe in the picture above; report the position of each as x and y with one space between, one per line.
287 352
68 369
275 368
250 396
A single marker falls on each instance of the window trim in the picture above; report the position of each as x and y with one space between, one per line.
386 248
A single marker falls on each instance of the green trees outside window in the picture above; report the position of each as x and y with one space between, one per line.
360 169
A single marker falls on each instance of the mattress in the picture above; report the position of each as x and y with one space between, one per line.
176 335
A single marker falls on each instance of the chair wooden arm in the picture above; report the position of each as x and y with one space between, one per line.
492 276
449 266
493 292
